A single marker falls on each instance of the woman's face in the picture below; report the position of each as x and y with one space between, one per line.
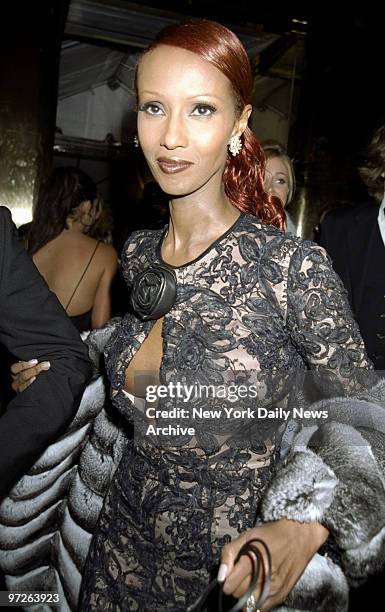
186 116
277 180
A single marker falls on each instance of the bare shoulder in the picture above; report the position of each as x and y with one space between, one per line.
102 250
104 256
107 255
107 251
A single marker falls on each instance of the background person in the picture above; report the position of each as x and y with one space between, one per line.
33 325
354 237
77 267
279 177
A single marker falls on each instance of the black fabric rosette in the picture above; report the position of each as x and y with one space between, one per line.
153 292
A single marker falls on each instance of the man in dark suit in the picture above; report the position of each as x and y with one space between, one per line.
354 237
34 325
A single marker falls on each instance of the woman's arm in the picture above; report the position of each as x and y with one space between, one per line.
332 487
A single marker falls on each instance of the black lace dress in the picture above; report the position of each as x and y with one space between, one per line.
257 306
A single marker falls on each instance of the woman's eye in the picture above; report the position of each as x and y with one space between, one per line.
203 110
280 181
151 108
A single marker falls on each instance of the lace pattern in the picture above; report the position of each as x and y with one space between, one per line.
258 302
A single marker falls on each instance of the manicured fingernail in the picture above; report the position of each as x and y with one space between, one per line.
45 365
32 362
222 572
31 380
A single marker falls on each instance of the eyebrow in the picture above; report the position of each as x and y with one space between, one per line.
199 95
205 95
280 172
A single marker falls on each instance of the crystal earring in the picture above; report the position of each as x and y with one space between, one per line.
136 142
235 145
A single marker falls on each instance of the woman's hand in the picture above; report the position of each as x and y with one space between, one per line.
25 372
291 544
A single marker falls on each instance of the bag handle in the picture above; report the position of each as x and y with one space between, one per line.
257 563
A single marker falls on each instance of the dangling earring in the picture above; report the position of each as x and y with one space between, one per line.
235 145
136 142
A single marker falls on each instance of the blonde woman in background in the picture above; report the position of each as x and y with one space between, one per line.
279 177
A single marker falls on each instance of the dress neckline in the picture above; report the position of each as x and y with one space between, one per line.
201 255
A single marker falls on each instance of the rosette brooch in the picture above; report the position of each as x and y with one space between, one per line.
153 293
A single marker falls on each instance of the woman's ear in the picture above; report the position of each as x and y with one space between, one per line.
241 123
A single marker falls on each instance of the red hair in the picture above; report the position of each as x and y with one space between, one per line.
243 174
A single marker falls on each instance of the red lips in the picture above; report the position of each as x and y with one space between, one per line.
172 166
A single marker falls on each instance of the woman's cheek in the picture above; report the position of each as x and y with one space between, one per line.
210 136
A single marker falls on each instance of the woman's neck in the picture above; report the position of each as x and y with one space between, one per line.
194 224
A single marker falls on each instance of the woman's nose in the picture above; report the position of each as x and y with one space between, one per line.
174 135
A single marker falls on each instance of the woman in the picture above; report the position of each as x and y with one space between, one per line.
279 177
77 267
247 298
222 301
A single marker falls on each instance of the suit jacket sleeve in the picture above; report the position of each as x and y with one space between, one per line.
333 238
34 325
